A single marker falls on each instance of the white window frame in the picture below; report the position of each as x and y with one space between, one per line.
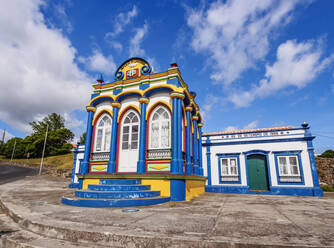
104 129
229 166
130 131
289 166
160 125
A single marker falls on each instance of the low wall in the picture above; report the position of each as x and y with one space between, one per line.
325 168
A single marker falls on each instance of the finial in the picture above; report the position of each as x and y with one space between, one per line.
173 65
100 79
304 124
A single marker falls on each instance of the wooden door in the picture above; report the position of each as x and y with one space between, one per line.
257 172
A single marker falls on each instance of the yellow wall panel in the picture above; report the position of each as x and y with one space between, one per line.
162 185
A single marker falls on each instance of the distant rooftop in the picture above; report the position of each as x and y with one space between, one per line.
251 130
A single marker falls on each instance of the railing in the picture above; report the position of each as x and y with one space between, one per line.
159 154
100 156
290 179
230 178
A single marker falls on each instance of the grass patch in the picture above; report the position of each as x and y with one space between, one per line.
60 161
328 188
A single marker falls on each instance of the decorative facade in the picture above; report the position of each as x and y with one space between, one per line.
144 126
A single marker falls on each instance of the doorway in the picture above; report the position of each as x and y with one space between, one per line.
257 172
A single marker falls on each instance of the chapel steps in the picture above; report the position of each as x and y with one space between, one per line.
116 193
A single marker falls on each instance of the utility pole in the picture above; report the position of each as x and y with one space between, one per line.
13 151
3 136
46 135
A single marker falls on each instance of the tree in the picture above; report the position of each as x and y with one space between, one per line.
19 148
82 139
57 139
54 121
327 154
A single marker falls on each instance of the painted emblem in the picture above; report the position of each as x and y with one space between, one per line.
132 73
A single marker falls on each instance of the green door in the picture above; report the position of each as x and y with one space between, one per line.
257 172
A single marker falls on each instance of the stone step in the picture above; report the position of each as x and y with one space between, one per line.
118 187
119 181
116 194
84 202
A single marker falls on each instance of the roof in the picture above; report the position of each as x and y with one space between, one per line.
251 130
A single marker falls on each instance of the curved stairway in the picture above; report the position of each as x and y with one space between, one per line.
116 193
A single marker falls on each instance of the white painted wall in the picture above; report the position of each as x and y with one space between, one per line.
271 147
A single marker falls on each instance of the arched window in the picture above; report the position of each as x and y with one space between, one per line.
130 129
160 129
103 134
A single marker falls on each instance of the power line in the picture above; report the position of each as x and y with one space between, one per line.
330 137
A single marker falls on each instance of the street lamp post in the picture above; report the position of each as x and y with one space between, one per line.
46 135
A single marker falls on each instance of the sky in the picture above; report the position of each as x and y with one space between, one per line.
252 63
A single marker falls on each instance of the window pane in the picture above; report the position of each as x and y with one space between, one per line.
134 137
233 166
125 145
125 137
135 129
135 119
160 110
101 124
126 129
154 135
127 120
293 160
282 160
134 144
165 131
107 137
224 167
108 122
99 140
130 115
283 170
155 117
294 170
166 116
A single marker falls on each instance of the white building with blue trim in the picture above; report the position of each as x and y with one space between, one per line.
277 161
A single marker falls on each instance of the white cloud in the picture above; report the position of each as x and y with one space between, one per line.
251 125
99 63
235 34
296 66
116 45
121 21
38 73
71 121
62 17
231 128
135 43
209 102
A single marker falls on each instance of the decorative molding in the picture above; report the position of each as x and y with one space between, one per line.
144 100
116 105
90 108
177 95
100 113
189 108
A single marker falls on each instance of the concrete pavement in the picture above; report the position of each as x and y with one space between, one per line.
212 220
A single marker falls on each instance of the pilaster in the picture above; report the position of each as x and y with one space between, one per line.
114 133
142 138
85 163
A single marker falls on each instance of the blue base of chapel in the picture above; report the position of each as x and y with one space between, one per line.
296 191
114 193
